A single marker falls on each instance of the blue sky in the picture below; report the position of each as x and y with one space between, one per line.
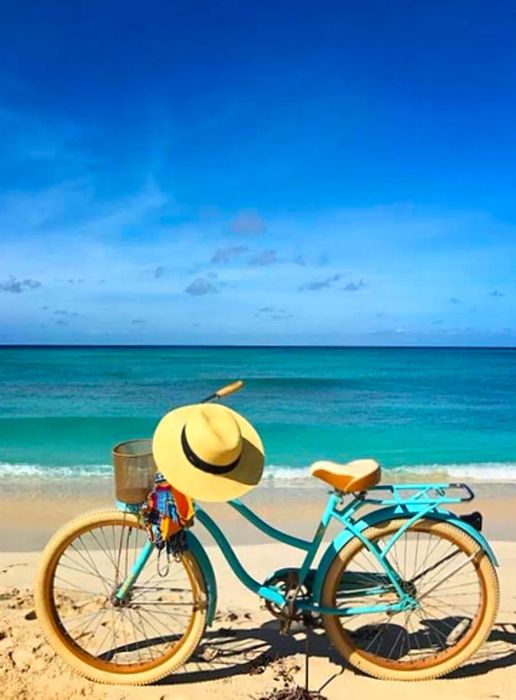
273 172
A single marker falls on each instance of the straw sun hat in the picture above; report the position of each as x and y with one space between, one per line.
208 452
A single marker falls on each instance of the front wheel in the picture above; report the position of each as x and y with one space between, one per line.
154 631
444 569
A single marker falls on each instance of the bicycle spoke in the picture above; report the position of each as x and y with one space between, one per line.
88 563
149 622
447 588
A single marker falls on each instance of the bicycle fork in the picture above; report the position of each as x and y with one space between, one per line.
125 587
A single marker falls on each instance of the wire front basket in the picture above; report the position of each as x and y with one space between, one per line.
134 470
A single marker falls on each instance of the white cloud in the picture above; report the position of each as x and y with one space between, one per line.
65 233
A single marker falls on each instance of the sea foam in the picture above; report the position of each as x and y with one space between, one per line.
283 474
475 471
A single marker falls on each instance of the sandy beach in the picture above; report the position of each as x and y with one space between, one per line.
242 654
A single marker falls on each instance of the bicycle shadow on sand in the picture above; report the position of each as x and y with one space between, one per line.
241 650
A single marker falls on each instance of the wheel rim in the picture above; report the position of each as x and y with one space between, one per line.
452 598
138 636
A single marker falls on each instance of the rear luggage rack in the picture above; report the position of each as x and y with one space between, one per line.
417 494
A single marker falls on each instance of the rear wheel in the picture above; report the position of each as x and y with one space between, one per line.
154 632
449 574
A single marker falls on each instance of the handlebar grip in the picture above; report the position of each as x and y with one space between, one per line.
229 389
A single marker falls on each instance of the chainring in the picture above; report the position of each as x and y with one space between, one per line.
286 581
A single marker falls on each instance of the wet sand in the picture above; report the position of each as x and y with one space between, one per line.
30 516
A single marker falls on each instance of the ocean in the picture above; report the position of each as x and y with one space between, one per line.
451 411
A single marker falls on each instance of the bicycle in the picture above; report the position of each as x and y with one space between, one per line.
406 591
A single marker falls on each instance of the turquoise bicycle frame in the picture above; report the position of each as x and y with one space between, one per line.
411 502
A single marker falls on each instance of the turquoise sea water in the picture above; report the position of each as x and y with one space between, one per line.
61 409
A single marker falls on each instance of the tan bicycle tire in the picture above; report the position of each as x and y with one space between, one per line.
53 631
369 663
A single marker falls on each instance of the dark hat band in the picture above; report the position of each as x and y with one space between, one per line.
199 463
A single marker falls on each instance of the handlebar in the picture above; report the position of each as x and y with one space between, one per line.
225 391
229 389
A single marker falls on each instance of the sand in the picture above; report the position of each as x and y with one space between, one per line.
30 516
242 655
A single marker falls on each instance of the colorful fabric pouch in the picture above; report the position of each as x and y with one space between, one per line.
166 514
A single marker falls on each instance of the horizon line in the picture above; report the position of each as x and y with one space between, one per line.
6 346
